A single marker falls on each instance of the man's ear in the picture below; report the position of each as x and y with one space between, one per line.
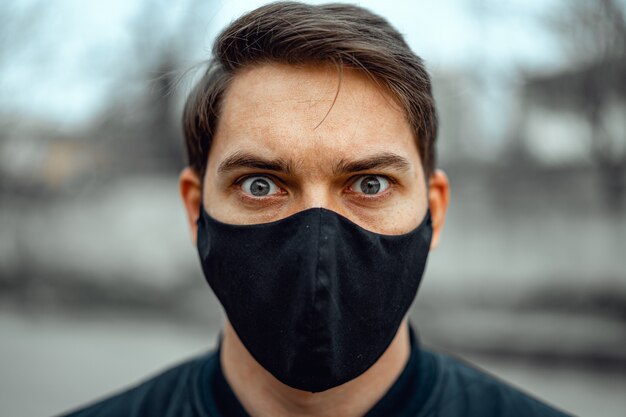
190 187
438 197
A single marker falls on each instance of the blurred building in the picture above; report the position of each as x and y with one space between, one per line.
577 117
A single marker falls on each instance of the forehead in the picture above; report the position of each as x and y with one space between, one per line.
311 114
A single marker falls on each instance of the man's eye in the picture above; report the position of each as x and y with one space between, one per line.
259 186
370 185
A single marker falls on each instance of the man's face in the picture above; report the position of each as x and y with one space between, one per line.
287 141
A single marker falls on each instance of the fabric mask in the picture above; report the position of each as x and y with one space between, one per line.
315 298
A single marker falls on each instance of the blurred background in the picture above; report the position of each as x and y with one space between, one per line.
100 285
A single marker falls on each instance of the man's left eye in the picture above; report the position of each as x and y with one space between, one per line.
259 186
370 184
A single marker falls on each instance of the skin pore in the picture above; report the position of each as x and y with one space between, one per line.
292 138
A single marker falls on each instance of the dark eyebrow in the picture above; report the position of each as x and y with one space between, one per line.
247 160
382 160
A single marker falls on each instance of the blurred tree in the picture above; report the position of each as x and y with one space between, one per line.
591 30
593 35
153 43
141 124
164 133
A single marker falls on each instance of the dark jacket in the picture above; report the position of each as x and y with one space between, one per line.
431 385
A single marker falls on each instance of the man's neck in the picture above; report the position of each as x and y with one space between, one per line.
262 395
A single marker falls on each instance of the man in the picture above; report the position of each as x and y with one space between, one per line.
313 199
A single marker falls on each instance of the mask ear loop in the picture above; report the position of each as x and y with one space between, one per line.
201 213
201 208
428 214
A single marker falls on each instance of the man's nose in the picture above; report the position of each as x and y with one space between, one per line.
319 195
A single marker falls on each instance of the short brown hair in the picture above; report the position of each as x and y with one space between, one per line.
297 34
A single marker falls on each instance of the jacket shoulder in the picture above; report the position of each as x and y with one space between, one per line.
463 390
169 393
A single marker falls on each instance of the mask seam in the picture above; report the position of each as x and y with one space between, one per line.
315 283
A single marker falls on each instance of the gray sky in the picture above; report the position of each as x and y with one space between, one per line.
65 64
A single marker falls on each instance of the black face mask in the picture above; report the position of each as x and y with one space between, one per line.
315 298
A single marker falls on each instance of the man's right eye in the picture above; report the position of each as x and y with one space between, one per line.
259 186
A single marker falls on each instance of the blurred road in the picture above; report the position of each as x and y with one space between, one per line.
53 361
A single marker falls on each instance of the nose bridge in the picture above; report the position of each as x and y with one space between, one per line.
318 193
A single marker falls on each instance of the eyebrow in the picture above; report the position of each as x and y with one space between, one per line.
378 161
240 160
